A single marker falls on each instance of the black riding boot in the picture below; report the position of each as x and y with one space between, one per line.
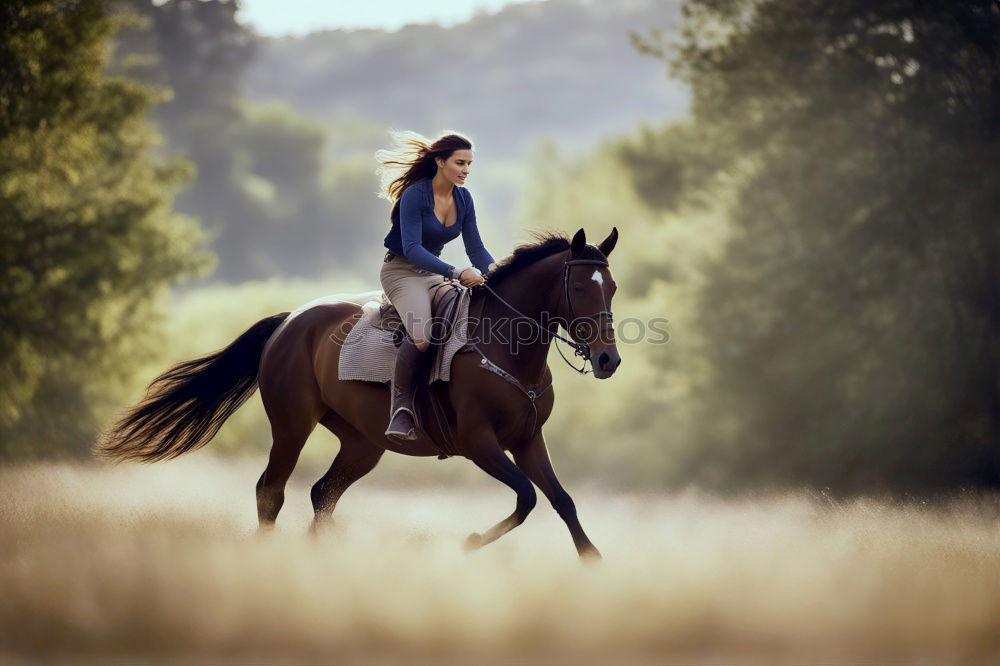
402 417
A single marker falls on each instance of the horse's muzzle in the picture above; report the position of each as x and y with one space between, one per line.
606 363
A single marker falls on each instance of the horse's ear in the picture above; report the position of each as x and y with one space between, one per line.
608 243
579 242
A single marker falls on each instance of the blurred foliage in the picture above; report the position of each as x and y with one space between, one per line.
264 188
852 319
86 230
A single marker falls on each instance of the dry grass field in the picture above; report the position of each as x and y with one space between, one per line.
162 564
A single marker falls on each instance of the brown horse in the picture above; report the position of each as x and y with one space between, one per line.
544 284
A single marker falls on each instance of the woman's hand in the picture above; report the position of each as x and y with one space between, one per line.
470 277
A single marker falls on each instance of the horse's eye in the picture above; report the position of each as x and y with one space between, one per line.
578 286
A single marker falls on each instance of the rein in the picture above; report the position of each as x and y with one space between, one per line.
580 349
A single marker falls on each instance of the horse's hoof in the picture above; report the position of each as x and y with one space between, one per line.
320 527
473 541
590 555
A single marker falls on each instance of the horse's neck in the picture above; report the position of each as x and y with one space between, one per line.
522 291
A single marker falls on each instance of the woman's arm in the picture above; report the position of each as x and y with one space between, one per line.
478 254
412 231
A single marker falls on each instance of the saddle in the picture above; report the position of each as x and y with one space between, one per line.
444 304
369 354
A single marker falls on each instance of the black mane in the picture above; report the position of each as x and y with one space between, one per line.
546 244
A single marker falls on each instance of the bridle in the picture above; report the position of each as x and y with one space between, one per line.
579 348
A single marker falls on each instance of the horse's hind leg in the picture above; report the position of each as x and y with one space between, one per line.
289 431
357 457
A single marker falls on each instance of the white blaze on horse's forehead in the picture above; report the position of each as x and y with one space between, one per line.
598 278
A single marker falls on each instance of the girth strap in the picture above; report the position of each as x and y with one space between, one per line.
533 395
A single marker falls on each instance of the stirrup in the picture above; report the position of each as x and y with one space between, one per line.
410 434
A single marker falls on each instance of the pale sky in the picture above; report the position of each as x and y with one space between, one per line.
297 17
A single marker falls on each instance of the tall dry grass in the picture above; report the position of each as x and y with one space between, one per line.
162 564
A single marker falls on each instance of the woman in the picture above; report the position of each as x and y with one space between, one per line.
430 208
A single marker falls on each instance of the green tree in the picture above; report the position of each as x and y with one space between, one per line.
86 229
263 187
853 318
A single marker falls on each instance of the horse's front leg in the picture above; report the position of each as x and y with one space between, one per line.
533 458
484 450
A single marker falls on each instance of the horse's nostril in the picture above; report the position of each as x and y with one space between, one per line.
602 360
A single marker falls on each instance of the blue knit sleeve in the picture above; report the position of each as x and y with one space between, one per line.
474 247
411 204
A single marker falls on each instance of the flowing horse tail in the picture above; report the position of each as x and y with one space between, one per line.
186 405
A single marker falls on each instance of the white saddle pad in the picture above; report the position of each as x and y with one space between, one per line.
368 353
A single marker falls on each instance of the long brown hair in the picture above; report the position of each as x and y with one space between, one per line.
414 155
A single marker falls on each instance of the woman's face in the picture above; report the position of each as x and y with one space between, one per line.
456 168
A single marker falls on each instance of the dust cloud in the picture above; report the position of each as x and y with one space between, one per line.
163 563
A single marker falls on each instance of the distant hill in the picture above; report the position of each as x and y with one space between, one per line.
561 68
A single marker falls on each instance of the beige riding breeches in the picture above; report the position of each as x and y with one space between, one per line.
409 290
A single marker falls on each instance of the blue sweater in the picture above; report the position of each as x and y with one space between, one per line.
419 236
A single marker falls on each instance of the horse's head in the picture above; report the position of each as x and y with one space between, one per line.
586 303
